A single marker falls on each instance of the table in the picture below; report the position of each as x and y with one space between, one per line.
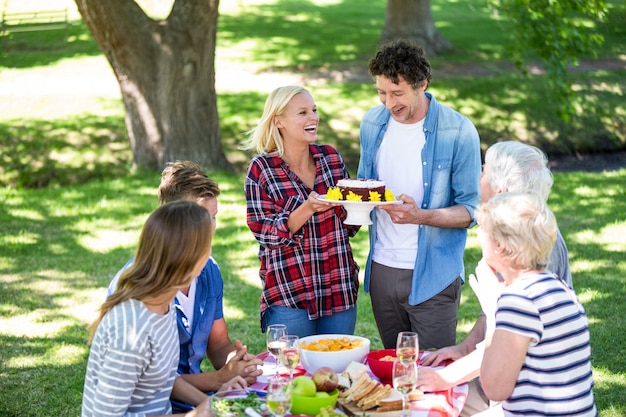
435 404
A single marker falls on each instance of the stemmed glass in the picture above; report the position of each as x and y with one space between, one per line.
290 352
407 347
279 396
273 334
404 380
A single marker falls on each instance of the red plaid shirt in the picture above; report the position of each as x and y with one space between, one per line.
312 269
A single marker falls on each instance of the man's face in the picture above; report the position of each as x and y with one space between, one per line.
406 104
210 204
486 192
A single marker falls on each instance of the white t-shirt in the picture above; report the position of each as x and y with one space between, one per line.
399 164
186 303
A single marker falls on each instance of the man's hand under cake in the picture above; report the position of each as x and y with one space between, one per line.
406 213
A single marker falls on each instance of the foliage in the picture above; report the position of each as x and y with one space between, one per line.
559 32
57 116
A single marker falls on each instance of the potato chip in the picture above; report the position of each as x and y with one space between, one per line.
332 345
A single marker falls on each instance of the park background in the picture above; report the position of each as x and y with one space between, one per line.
71 206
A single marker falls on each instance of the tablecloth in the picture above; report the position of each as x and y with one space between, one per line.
447 403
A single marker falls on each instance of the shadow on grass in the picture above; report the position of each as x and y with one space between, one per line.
34 49
42 385
42 153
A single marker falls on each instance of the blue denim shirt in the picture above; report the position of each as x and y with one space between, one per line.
207 309
451 166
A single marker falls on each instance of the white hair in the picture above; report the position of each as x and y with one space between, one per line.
515 166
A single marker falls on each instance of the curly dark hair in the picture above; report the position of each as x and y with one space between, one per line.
401 58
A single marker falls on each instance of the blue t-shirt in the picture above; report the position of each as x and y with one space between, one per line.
207 309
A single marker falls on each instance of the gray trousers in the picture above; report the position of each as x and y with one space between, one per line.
434 320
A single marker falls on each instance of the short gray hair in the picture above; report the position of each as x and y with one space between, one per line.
516 166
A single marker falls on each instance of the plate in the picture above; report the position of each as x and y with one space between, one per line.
235 402
359 211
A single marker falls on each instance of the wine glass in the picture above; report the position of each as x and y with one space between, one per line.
407 347
404 380
278 398
273 333
290 352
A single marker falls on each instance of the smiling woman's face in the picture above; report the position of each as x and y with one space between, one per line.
299 120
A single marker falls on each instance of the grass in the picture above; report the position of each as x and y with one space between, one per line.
71 208
62 245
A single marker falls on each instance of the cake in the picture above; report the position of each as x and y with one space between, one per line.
360 190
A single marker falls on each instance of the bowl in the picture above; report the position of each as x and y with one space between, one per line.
383 369
337 360
311 406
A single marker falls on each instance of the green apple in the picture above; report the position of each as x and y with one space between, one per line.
321 394
303 386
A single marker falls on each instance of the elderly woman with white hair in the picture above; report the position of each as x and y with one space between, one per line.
515 166
510 166
538 356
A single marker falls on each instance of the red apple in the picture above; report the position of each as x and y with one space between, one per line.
325 379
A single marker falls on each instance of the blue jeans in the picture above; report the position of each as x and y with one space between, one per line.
298 322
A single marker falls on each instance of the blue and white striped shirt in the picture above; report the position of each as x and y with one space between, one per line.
556 378
132 363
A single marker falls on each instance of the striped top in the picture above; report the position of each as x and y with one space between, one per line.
132 363
555 379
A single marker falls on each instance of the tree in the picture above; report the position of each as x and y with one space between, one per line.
413 20
166 73
558 32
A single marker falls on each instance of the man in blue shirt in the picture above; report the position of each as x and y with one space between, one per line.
202 329
429 156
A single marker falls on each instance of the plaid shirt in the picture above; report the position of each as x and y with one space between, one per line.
312 269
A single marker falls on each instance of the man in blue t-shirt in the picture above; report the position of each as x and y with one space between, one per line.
202 329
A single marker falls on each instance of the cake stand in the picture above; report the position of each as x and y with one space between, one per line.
359 211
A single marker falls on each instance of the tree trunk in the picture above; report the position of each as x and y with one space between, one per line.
166 73
412 20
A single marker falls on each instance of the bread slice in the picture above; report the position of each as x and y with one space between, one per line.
356 386
356 396
391 407
370 401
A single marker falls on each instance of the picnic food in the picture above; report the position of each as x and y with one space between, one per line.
332 345
304 386
366 393
236 405
335 351
308 399
363 190
325 379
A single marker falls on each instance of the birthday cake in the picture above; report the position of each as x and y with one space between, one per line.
363 190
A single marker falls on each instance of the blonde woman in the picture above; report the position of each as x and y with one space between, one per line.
133 360
538 357
308 273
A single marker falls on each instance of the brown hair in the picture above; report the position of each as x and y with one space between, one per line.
173 240
185 180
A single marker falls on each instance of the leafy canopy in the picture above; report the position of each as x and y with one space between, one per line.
558 32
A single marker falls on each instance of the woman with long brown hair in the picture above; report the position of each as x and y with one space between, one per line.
132 367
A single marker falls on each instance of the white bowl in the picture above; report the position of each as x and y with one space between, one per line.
338 361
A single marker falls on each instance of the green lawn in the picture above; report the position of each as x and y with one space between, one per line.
71 208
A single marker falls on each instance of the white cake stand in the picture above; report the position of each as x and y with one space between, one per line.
359 211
